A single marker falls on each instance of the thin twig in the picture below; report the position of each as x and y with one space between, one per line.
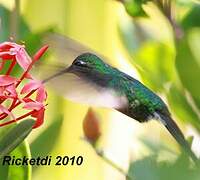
14 21
165 7
111 163
100 153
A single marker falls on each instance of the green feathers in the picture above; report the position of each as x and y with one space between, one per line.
142 102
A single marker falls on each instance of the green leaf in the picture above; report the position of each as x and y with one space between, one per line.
134 8
192 18
5 25
17 172
156 64
10 138
144 169
152 169
4 171
180 106
15 136
132 35
193 41
4 28
20 172
47 139
188 68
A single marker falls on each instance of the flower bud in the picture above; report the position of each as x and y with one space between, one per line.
91 127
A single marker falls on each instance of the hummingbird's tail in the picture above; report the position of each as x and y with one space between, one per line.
174 130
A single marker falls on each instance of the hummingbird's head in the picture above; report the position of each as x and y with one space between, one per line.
89 63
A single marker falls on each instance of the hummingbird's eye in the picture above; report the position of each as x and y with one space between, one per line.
80 63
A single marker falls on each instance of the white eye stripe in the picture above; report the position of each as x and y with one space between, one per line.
82 62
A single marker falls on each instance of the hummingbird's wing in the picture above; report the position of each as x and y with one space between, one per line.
65 48
61 53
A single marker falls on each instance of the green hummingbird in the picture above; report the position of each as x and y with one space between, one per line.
92 81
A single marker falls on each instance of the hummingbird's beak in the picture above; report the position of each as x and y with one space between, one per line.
66 70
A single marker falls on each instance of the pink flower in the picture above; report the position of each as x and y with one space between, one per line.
5 110
6 80
10 89
38 86
10 50
39 115
7 87
38 109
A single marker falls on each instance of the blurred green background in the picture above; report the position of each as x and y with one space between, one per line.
140 37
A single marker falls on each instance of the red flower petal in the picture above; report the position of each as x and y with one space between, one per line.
5 46
32 85
40 118
22 58
6 80
33 105
9 84
11 89
5 110
35 85
5 52
41 94
6 55
40 52
27 100
9 50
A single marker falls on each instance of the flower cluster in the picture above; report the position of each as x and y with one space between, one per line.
23 91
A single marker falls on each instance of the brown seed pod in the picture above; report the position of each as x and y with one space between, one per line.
91 127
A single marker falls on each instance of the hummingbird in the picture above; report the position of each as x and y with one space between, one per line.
89 79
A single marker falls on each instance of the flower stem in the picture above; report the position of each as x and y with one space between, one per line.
111 163
36 57
11 67
17 119
14 21
14 104
101 154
